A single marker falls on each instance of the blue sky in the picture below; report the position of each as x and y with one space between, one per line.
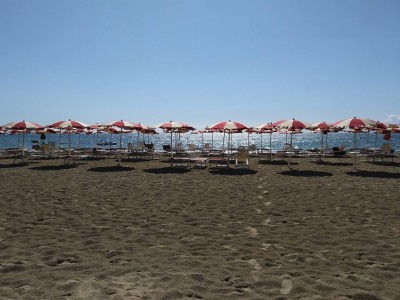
199 61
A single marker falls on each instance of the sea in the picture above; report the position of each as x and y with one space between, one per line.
302 141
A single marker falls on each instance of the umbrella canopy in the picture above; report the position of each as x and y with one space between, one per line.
24 126
291 125
355 123
321 126
121 124
228 126
175 126
68 124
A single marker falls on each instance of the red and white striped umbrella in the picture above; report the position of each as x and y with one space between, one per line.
121 124
321 126
24 126
265 128
229 126
175 126
291 125
355 123
68 124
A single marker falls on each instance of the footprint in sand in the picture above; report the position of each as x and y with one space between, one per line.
252 231
254 264
287 285
267 221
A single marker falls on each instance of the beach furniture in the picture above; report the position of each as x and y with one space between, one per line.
74 157
381 154
242 158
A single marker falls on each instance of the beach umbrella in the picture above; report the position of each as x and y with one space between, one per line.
172 126
142 128
291 126
323 128
122 125
24 126
69 126
355 125
228 127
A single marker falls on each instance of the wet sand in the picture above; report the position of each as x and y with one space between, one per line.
146 231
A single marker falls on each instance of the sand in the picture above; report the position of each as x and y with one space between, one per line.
146 231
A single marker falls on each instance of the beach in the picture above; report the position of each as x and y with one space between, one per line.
148 231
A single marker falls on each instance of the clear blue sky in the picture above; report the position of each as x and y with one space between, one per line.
199 61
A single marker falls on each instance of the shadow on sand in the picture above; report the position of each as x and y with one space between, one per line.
334 163
13 165
168 170
56 167
111 169
375 174
276 162
231 171
305 173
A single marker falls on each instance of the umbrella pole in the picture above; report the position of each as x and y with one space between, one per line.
171 149
354 143
223 141
270 146
120 147
69 142
23 143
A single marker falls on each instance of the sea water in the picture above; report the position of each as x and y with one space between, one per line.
305 140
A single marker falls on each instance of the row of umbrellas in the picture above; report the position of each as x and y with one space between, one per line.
291 126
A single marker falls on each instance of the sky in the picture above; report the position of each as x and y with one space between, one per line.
199 61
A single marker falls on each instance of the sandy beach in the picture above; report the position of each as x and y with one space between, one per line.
146 231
